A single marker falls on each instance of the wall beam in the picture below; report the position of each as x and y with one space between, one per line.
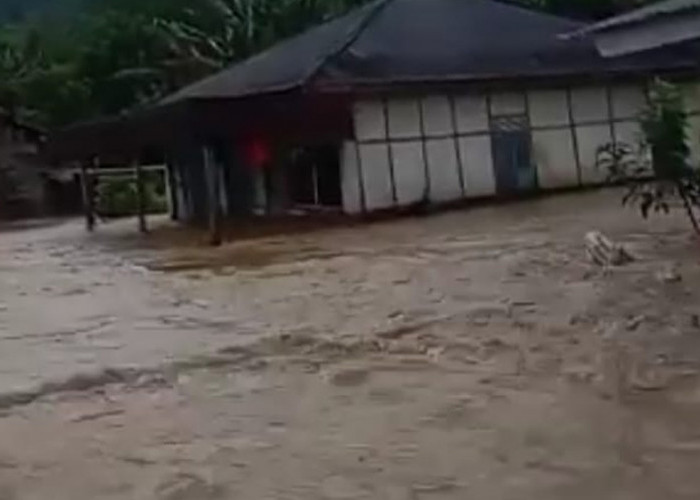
88 197
215 217
171 189
140 196
455 138
424 149
574 137
390 152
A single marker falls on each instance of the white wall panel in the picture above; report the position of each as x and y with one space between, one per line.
507 103
352 198
555 158
369 120
437 116
548 108
442 168
472 113
627 101
590 138
589 104
477 165
409 171
374 159
628 132
691 96
694 139
404 118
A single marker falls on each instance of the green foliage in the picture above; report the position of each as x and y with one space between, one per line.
122 53
657 171
117 197
219 32
664 123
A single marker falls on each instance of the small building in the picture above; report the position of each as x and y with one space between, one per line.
398 103
22 168
665 23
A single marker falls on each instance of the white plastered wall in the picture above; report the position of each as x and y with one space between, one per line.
691 98
552 139
376 175
555 158
438 147
472 122
590 107
444 172
477 166
407 150
627 103
588 139
694 138
351 183
373 155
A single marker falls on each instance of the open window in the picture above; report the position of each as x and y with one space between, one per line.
314 177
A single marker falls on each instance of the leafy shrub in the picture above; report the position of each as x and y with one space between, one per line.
118 197
657 171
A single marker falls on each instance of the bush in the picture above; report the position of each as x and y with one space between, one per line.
657 171
117 196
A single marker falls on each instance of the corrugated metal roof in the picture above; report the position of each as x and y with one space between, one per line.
660 9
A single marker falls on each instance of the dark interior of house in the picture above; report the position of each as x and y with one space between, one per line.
315 176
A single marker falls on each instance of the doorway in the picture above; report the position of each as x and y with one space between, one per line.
515 170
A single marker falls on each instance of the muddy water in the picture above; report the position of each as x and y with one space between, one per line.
466 355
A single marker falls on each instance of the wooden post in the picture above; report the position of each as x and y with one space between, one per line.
140 196
88 197
171 189
213 179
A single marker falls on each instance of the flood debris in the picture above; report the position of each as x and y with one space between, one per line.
634 323
348 376
670 274
604 252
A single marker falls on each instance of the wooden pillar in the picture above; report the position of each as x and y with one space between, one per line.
171 190
140 196
88 196
213 180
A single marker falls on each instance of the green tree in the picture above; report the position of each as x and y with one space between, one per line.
219 32
657 172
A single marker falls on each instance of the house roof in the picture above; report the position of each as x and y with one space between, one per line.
386 44
409 41
644 14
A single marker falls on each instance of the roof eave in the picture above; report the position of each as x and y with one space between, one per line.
630 20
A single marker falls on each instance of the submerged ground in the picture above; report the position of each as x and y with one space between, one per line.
471 354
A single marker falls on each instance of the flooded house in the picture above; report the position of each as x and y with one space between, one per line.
397 103
22 168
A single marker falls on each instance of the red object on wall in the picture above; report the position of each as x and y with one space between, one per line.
257 153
